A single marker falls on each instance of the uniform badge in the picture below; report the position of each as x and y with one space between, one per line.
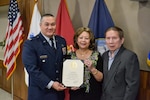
64 50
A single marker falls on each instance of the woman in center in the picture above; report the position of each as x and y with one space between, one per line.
85 50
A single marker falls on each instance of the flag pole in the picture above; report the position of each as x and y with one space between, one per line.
12 87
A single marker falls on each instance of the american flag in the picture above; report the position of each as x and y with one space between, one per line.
14 33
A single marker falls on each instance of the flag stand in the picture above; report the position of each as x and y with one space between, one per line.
12 87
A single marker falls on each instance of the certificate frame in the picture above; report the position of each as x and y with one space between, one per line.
72 73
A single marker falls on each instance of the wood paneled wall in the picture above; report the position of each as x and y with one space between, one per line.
4 2
144 90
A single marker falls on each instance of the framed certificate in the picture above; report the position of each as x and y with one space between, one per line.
73 72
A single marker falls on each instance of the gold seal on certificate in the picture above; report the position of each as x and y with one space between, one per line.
73 71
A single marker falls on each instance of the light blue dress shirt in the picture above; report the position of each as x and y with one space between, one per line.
111 58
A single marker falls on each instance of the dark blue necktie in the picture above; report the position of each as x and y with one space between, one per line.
52 43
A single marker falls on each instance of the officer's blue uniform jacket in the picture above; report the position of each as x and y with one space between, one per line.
43 64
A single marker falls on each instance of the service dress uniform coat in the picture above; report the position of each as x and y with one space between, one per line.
43 63
121 82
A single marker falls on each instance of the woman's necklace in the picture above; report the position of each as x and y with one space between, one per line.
83 54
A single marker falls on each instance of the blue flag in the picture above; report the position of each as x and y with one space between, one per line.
148 59
100 19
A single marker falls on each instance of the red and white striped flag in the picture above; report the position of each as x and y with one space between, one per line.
14 37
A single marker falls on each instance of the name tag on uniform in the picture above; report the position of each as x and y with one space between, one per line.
43 56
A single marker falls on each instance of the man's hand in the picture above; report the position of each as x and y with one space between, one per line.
58 86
